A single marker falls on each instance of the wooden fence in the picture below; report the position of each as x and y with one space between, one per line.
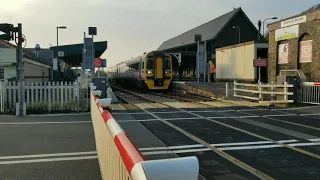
264 93
40 96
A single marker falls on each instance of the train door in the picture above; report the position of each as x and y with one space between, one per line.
159 74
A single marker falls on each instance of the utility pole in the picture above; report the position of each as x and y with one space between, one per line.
20 74
11 34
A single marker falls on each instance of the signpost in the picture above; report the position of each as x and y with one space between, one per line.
260 62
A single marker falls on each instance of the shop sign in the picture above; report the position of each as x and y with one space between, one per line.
294 21
287 33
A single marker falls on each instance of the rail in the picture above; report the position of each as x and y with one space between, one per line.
310 93
119 159
259 93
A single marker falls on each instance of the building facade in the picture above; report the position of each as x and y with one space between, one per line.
294 46
34 68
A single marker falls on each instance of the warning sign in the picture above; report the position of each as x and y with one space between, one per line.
305 51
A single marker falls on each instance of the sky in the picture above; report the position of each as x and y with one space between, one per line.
131 27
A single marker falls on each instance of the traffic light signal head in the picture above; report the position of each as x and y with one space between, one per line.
7 29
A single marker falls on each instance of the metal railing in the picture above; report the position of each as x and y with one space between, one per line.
119 159
294 72
309 93
264 93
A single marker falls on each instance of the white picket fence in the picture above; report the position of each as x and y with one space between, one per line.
40 96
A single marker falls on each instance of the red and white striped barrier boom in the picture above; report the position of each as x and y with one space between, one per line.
119 159
310 84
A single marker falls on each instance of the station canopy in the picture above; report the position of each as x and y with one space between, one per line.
73 53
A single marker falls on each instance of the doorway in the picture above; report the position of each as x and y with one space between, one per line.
262 53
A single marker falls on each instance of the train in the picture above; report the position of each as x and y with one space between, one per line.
152 71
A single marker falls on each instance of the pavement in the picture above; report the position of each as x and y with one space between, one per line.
48 147
255 136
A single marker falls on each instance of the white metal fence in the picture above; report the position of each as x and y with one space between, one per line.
264 93
40 96
309 93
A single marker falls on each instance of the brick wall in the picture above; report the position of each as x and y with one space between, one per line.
312 69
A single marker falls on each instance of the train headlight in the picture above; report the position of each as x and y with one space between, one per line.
149 72
168 71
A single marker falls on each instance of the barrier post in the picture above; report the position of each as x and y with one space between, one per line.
227 89
234 88
260 91
285 91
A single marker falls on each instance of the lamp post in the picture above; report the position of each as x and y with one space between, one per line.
58 62
265 21
235 27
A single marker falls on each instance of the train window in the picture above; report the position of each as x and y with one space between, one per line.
142 65
150 64
167 64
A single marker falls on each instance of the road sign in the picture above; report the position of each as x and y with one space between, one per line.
61 54
260 62
97 62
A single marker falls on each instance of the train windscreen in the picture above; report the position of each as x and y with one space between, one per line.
167 63
150 64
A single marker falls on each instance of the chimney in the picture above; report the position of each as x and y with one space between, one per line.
37 48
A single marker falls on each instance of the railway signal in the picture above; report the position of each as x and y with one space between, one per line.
8 31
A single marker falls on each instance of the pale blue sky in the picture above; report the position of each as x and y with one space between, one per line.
131 27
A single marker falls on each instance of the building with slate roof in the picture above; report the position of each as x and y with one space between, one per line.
294 46
216 33
35 69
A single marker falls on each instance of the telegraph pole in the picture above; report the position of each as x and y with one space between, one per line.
20 71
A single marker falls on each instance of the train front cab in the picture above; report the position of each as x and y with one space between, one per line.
158 70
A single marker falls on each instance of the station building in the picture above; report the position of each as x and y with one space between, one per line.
38 62
35 69
294 46
229 29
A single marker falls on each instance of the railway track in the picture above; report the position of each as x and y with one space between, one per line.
134 98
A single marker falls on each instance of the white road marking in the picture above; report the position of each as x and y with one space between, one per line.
216 145
66 114
144 120
279 115
173 119
28 123
317 114
308 107
48 160
244 110
314 140
229 148
47 155
231 117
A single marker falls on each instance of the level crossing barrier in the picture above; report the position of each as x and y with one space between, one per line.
119 159
264 93
309 93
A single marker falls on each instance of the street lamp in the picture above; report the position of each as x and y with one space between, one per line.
235 27
274 18
59 27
